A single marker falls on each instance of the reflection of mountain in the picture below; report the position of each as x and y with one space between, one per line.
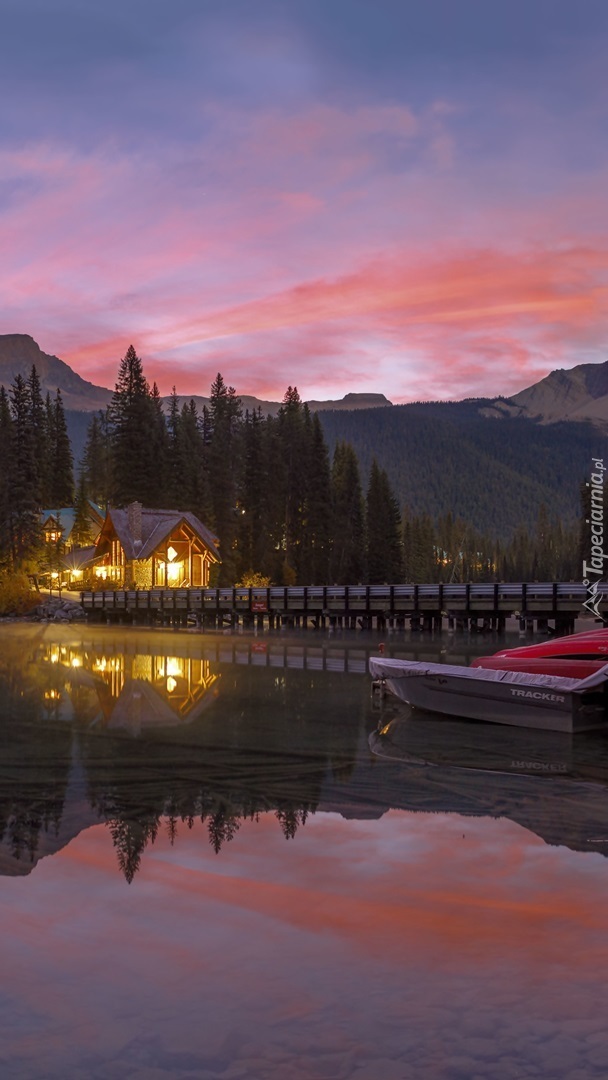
553 784
125 728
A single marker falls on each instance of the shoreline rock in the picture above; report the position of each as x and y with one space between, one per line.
55 609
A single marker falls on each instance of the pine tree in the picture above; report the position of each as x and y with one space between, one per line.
6 424
41 442
173 451
294 435
82 529
222 428
383 520
318 533
61 483
192 491
271 502
132 420
252 535
348 549
157 492
420 562
96 460
24 476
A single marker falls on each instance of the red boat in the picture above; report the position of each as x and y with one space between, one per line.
575 656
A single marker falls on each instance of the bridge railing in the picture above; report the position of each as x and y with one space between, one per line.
400 598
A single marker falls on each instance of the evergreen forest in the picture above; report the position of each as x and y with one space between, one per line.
290 498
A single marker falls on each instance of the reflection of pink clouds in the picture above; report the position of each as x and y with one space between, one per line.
397 939
503 884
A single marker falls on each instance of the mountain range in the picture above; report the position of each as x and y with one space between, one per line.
490 461
19 352
577 394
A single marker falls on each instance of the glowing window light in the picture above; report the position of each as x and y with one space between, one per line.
174 571
76 661
171 553
171 684
174 666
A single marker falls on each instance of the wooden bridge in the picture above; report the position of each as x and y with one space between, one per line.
424 607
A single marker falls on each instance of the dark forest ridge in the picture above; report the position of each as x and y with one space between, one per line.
440 457
446 487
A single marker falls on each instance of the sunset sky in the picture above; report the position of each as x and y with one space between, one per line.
390 196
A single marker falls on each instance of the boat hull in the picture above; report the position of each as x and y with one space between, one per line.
497 697
541 665
588 645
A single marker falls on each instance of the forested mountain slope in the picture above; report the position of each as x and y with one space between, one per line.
444 457
493 473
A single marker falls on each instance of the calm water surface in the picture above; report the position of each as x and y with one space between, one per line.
222 858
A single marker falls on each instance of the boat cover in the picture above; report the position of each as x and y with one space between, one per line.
385 668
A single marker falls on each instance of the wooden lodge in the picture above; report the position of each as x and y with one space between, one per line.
140 548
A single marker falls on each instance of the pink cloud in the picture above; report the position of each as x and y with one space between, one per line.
473 315
297 248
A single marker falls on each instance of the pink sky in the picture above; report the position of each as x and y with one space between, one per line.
267 205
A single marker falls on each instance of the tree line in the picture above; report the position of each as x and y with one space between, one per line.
285 512
37 465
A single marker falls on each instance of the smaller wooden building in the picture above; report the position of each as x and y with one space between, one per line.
142 548
58 525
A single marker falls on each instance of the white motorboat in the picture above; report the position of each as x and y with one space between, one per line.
517 698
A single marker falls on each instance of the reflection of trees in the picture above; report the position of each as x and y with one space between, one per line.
130 838
36 756
244 757
266 743
290 818
222 826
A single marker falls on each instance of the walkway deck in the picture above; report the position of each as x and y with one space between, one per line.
423 606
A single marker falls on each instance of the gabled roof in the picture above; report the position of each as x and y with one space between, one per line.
79 558
65 516
156 526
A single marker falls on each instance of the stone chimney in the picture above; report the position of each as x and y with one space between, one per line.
134 519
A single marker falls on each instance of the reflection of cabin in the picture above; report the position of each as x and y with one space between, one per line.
58 525
123 690
144 549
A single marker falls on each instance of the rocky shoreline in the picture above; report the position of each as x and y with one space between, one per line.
51 609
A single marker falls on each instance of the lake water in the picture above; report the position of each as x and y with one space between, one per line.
222 857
